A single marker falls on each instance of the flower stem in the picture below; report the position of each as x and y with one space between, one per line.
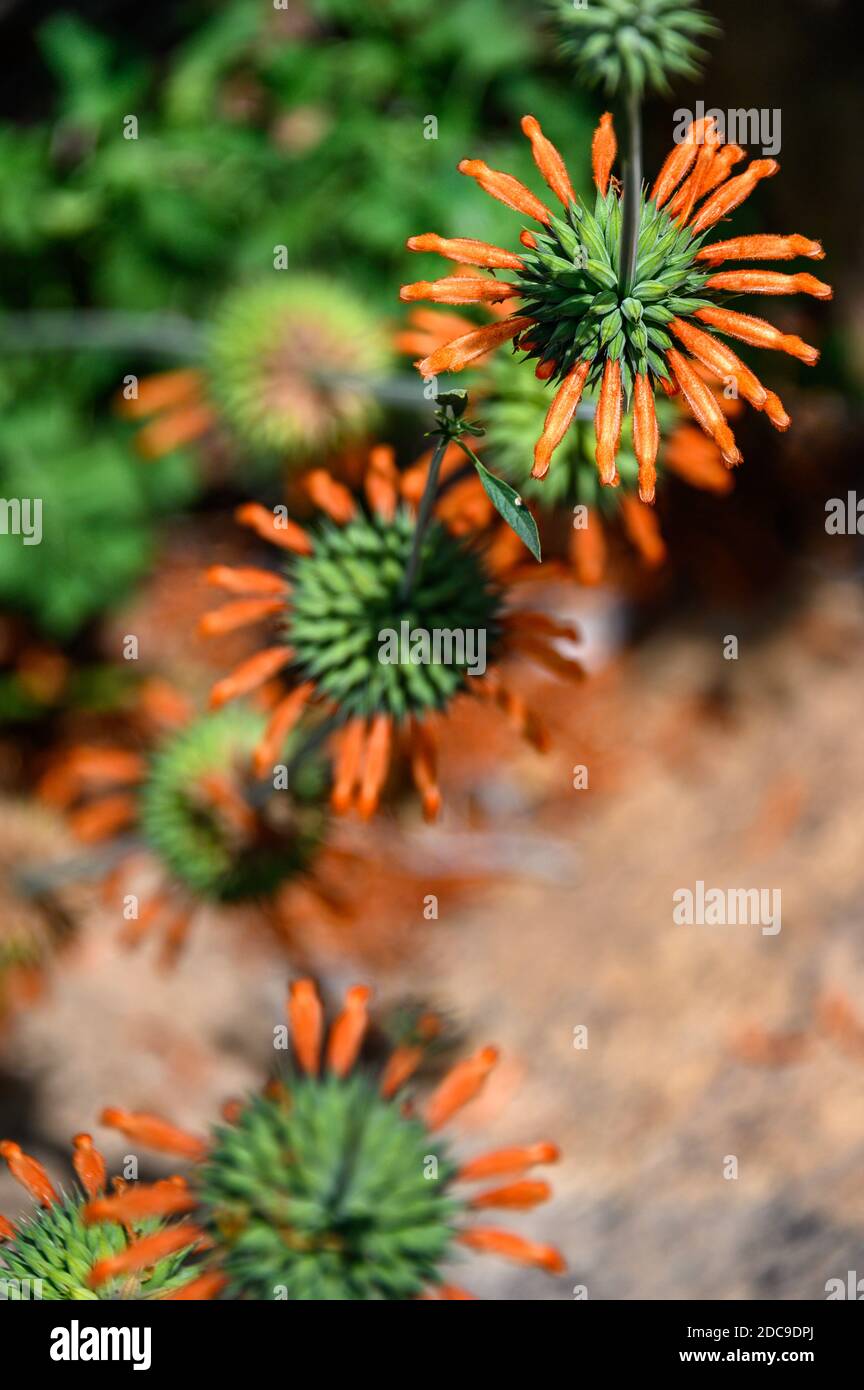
632 191
424 515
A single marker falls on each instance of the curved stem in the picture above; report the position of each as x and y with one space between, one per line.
424 515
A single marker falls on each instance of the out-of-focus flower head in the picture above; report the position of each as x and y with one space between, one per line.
633 44
213 830
54 1254
288 367
349 631
329 1187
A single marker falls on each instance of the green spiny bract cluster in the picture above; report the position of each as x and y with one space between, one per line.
573 288
328 1192
634 44
349 592
184 828
513 409
55 1248
286 363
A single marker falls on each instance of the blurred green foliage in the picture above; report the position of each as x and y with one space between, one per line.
304 127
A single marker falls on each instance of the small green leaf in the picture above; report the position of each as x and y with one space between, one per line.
509 505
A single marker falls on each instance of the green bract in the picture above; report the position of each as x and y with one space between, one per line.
55 1248
634 44
185 830
330 1193
347 595
573 288
286 363
514 408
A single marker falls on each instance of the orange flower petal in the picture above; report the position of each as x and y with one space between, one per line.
770 282
558 417
330 496
30 1173
246 579
643 528
704 406
761 248
513 1247
140 1203
235 615
607 423
604 148
206 1286
461 352
381 481
282 721
154 1133
306 1016
461 1084
160 391
250 674
646 435
518 1196
587 549
506 189
514 1160
549 161
348 1031
456 289
89 1165
279 531
423 769
376 765
173 430
732 194
102 819
466 251
758 333
349 757
143 1253
720 360
680 160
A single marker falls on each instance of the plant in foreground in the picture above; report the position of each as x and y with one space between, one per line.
347 585
215 831
588 320
326 1186
57 1254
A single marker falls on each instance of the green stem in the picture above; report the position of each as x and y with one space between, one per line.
59 330
424 516
632 191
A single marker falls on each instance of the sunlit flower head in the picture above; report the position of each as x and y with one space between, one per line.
587 325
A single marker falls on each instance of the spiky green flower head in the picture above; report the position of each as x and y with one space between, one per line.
54 1254
575 288
633 45
55 1251
365 644
287 361
513 409
324 1190
187 824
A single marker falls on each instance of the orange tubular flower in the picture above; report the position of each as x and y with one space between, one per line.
589 325
308 1122
343 596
